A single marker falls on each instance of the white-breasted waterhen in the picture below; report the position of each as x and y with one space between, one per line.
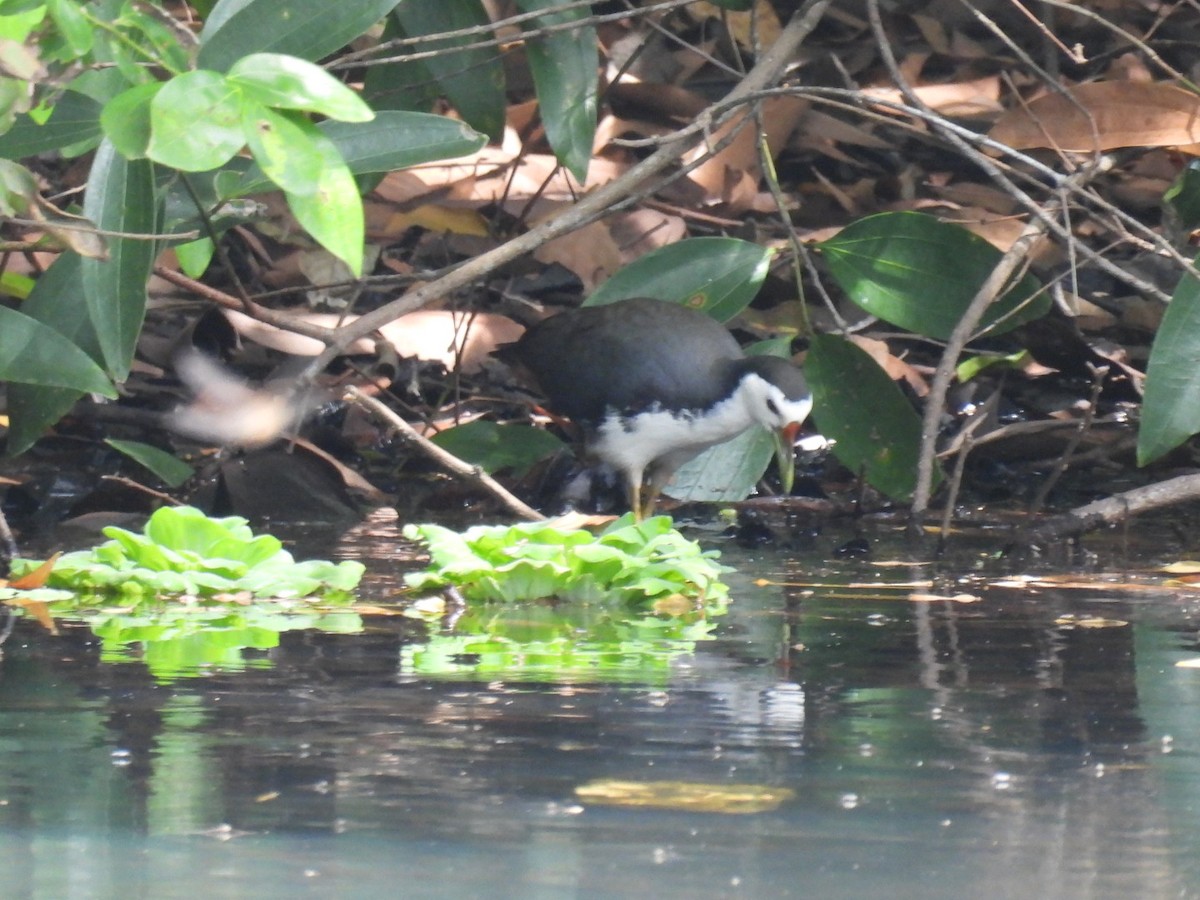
652 384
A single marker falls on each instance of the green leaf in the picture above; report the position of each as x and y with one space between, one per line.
564 66
286 82
74 121
1171 406
309 29
876 430
921 274
162 35
1183 196
627 562
126 119
194 256
54 302
120 197
727 472
333 214
14 100
285 148
719 275
18 189
72 25
472 79
494 447
171 470
195 122
393 140
34 353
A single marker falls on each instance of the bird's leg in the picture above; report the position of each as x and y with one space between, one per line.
659 479
635 495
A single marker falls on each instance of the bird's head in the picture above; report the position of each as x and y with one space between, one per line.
780 401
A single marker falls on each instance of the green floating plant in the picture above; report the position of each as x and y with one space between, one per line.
628 561
191 593
183 552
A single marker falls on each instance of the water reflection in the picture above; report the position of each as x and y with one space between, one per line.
991 749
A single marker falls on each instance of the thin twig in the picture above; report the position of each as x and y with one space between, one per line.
966 437
1065 458
446 460
596 203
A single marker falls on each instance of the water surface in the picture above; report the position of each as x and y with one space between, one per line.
1036 743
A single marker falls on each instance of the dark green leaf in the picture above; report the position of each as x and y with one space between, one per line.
393 140
472 80
564 66
288 82
120 198
494 447
34 353
75 119
170 469
54 301
1184 196
918 273
1171 407
309 29
196 122
718 275
876 430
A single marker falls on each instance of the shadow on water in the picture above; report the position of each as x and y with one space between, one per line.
1041 742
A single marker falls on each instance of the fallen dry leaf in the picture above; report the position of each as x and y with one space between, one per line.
737 799
1103 115
36 578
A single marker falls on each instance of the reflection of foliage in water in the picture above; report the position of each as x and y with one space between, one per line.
191 591
563 642
626 601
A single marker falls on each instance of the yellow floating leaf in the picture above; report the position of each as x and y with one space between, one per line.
936 598
1183 567
1090 622
685 795
1193 663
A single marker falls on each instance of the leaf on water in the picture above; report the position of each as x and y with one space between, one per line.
1073 621
737 799
37 578
1182 567
944 598
1192 663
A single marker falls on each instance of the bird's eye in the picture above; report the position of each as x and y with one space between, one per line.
772 407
